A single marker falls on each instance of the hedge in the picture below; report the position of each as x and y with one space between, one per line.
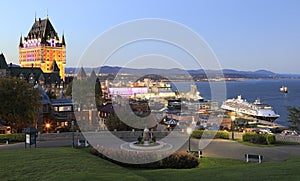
210 134
265 139
175 160
18 137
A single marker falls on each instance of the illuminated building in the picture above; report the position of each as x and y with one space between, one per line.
43 48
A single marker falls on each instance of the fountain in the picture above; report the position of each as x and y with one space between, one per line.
146 136
146 142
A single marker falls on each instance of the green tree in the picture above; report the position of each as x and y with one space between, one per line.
125 120
69 90
294 117
85 92
113 122
20 103
98 94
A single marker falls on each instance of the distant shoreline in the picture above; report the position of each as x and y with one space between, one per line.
233 80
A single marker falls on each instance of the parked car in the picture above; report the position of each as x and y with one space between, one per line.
289 132
265 131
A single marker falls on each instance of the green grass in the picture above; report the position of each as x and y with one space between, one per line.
78 164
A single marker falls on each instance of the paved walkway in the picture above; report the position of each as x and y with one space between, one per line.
217 148
39 144
230 149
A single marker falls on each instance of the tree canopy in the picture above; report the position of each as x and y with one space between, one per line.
20 103
294 117
86 92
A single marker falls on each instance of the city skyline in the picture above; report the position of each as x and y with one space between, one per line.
248 35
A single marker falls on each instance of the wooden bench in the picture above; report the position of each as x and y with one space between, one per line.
4 140
196 153
253 157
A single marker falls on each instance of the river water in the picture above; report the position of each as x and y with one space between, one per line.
265 90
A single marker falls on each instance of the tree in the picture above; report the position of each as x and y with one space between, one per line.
294 117
123 119
113 122
98 94
20 103
69 90
85 92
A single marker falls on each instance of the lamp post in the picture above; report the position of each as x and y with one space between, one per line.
232 127
47 127
189 132
72 133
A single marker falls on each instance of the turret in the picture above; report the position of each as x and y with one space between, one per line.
21 41
63 40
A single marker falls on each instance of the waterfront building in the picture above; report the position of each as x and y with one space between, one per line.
43 48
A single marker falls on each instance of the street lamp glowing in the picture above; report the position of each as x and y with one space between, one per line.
232 126
47 125
189 130
232 118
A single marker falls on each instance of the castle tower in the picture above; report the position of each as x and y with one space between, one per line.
43 48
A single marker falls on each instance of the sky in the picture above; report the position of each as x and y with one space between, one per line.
243 34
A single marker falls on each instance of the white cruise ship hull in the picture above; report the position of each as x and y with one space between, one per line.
256 109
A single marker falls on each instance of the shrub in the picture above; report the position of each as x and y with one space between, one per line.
271 139
197 134
259 138
180 160
210 134
18 137
222 134
175 160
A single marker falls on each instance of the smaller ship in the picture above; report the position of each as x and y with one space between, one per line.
283 89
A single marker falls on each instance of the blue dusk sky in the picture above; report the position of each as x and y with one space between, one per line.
244 34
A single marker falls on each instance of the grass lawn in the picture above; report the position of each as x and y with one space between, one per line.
78 164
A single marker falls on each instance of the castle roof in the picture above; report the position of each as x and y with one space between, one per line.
3 64
42 29
55 67
81 74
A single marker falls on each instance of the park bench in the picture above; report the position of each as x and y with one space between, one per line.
196 153
249 157
4 140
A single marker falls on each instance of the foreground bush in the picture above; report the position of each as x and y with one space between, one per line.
210 134
265 139
18 137
176 160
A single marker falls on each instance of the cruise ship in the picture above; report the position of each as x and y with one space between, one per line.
257 109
